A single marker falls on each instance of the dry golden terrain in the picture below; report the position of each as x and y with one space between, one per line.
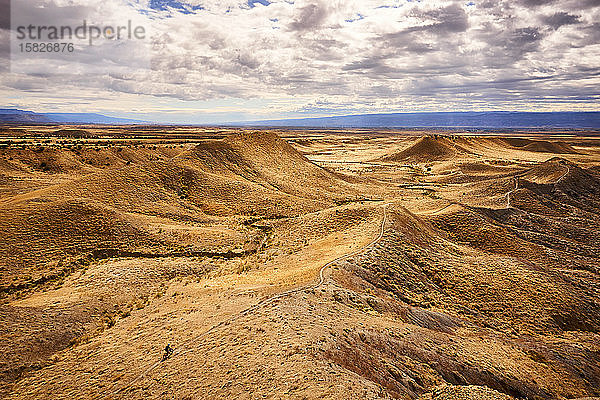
298 264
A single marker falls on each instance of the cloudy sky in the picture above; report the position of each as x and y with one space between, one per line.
208 61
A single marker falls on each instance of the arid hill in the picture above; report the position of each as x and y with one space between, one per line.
540 146
267 159
302 272
426 149
253 175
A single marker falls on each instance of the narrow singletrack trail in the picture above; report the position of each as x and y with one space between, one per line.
516 181
565 174
184 347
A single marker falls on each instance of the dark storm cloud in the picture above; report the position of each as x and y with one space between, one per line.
326 49
310 17
506 47
374 64
420 47
247 60
559 19
450 19
428 37
521 42
539 89
591 35
536 3
488 4
585 4
405 43
525 37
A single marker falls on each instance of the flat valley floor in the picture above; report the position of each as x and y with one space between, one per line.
298 264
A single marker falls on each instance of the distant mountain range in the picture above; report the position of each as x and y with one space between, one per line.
482 120
14 116
491 119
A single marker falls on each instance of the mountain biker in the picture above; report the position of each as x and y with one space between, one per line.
168 352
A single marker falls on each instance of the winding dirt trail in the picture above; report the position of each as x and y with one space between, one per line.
516 181
567 172
185 346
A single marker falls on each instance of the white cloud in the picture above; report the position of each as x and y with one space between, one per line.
340 56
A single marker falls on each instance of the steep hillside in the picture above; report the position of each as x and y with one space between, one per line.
426 149
245 175
563 180
540 146
266 159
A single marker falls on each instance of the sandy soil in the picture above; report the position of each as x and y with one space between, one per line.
284 264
